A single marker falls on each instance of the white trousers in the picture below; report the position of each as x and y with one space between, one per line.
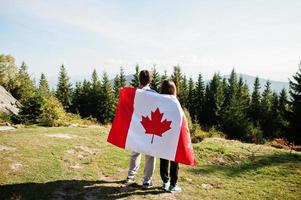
149 166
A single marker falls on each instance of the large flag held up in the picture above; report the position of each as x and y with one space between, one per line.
151 123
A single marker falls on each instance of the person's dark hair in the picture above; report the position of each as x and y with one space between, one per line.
145 77
168 87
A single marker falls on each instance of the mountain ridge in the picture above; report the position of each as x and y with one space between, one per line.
276 86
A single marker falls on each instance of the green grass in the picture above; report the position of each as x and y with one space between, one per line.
36 166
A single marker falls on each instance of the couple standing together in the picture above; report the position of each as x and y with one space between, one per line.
169 179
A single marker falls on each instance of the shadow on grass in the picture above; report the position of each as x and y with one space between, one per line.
251 164
74 189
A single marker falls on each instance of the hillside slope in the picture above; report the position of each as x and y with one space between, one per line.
78 163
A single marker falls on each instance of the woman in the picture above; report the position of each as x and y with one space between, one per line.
169 87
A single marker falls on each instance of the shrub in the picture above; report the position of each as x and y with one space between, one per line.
189 121
52 112
48 111
256 135
213 132
71 118
237 127
196 133
16 119
5 118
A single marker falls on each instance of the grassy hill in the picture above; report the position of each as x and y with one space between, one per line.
77 163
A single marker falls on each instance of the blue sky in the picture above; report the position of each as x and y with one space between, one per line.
256 37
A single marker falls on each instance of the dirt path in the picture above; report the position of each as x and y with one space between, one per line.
107 188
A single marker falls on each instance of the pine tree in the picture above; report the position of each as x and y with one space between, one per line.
254 110
95 97
267 96
283 101
85 103
184 92
243 93
155 79
107 108
283 113
26 87
116 86
274 123
295 116
178 80
266 108
31 109
64 89
119 82
164 76
122 77
234 120
246 95
76 98
43 86
135 81
231 88
191 100
214 100
225 88
200 99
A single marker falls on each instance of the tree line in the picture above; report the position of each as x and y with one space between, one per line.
222 104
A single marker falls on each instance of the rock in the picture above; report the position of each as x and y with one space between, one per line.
6 148
167 196
87 150
61 135
84 126
95 126
75 166
206 186
80 156
6 128
189 180
17 126
16 166
5 124
71 151
8 104
73 125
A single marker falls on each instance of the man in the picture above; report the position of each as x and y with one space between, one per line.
150 161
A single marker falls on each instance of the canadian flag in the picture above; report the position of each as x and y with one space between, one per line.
152 123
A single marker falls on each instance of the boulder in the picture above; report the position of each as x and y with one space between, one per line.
8 104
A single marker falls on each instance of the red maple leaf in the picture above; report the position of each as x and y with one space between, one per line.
154 125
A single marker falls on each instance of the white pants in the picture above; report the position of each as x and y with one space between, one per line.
149 166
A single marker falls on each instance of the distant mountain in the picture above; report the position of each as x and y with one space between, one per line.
276 86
